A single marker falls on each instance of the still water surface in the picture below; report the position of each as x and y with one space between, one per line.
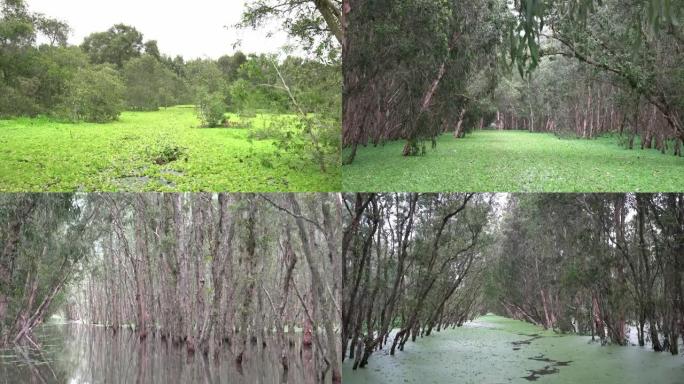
77 353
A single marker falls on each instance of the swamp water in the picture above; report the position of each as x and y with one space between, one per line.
76 353
494 349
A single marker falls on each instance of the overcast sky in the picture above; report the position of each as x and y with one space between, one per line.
195 28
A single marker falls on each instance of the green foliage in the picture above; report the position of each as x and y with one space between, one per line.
230 65
602 50
116 69
210 91
310 90
150 85
57 66
211 109
514 161
31 261
35 79
409 62
258 87
239 95
117 45
95 94
152 49
315 86
18 25
534 15
32 79
302 141
163 152
143 77
302 20
204 76
271 129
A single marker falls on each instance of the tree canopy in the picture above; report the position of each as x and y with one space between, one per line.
595 264
451 67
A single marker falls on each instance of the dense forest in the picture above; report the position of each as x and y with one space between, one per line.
578 68
602 265
231 278
594 264
404 257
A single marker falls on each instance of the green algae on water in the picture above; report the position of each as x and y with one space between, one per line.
483 352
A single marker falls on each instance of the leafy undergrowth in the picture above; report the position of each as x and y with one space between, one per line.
150 151
484 352
515 161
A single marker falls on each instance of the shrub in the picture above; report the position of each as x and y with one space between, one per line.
163 152
95 94
302 139
270 130
211 109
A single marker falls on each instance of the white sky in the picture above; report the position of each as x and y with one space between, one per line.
193 29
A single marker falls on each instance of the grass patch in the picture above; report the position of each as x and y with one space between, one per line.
150 151
515 161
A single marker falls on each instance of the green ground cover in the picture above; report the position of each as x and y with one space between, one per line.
150 151
515 161
483 352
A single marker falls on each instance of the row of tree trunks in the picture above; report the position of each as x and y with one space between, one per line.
380 255
200 272
594 112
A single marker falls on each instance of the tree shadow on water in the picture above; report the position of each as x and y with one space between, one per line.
547 370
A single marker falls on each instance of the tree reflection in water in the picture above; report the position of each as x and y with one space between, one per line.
75 353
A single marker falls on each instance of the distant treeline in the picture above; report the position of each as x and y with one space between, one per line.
118 70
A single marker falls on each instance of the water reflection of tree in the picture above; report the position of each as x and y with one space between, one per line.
102 357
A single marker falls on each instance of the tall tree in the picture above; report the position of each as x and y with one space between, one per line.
117 45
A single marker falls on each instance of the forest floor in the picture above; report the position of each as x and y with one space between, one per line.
514 161
495 349
149 151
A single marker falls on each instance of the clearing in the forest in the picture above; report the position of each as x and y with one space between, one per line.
514 161
166 150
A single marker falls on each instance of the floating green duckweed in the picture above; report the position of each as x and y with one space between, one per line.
515 161
484 352
150 151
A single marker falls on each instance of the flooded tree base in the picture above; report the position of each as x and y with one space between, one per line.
76 353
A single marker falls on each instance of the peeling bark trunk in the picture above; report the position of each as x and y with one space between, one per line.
459 132
139 268
318 286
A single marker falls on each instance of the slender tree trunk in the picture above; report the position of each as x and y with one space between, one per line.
139 268
318 286
459 131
